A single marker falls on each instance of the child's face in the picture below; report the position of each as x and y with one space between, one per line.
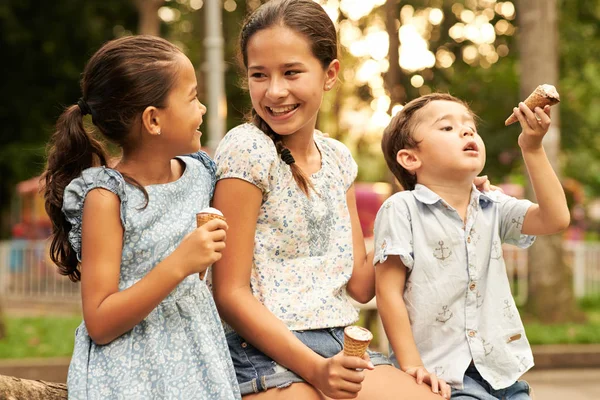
181 119
450 148
286 81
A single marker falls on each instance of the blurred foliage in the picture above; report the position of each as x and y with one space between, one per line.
47 45
569 333
48 336
44 47
579 26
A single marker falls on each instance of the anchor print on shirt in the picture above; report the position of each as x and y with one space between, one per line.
487 347
518 222
442 253
479 298
439 371
445 315
496 250
508 310
523 363
475 237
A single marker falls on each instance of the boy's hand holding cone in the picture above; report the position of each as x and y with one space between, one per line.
205 215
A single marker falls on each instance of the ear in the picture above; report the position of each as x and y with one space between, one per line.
151 120
331 74
409 160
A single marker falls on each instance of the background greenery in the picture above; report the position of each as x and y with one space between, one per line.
45 46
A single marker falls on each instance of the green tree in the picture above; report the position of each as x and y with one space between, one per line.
44 48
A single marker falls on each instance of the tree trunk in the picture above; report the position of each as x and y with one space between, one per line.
393 75
149 23
551 297
12 388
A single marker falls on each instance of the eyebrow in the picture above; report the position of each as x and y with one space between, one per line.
448 116
194 89
286 65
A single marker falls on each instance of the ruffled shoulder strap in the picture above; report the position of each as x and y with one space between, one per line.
77 190
210 166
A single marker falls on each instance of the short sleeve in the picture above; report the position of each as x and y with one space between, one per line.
345 161
76 192
210 166
393 232
249 154
512 215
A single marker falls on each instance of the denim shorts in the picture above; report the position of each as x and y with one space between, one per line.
256 372
475 387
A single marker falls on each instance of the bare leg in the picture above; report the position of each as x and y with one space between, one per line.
388 383
383 383
300 391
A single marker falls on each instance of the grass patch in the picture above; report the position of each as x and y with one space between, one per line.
570 333
566 333
39 336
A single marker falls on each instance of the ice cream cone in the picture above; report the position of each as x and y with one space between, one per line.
543 95
203 217
356 340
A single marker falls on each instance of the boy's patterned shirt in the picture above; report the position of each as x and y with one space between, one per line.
303 252
457 292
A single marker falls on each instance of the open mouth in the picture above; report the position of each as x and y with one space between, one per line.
282 110
471 146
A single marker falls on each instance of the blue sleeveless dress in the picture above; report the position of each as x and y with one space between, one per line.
179 350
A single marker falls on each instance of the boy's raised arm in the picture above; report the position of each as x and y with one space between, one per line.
550 214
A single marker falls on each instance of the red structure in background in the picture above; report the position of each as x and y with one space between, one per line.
369 197
32 220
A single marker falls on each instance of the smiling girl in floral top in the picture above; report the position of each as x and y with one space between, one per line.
288 196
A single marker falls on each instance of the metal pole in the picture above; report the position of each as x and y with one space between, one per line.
214 70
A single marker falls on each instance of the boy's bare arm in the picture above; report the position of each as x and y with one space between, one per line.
391 277
550 214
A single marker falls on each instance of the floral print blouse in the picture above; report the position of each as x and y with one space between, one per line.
303 254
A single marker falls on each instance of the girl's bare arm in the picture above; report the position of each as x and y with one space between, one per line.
361 286
108 313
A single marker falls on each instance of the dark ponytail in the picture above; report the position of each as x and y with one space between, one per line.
122 79
309 19
70 151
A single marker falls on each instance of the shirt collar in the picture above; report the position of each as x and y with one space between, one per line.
427 196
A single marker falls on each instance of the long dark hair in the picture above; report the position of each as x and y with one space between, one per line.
307 18
121 79
398 135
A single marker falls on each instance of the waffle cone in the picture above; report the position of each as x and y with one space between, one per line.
201 219
538 98
355 346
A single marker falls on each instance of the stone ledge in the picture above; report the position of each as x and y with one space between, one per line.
566 356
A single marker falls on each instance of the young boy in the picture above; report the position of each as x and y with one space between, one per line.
442 288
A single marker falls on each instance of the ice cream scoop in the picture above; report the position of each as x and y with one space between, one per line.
543 95
356 340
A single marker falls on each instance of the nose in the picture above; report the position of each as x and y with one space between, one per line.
467 131
277 89
202 108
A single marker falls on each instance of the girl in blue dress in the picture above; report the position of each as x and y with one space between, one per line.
150 328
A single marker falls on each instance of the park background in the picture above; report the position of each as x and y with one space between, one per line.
491 53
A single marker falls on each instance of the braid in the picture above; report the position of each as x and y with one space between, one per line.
299 176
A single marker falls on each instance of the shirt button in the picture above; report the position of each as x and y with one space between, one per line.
468 239
472 333
472 286
244 345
